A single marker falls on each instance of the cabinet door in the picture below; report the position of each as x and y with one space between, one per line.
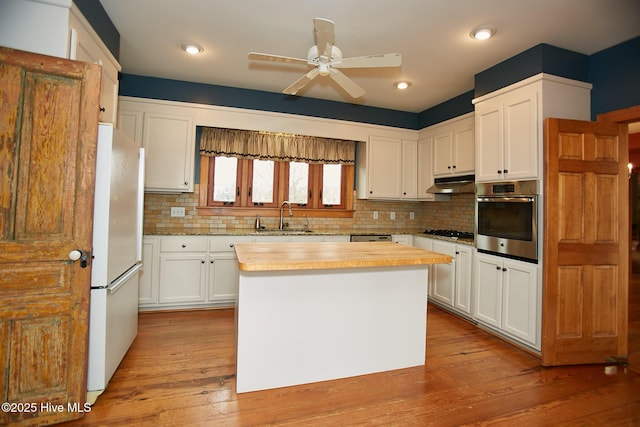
148 286
521 134
463 148
130 123
444 274
488 291
442 154
86 45
464 265
223 278
520 300
489 141
425 168
169 148
409 169
427 244
384 171
182 278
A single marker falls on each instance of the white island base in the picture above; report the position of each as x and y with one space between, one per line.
302 326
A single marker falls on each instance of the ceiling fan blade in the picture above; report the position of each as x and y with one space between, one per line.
346 83
276 58
301 82
371 61
323 30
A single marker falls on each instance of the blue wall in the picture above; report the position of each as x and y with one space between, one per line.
174 90
615 74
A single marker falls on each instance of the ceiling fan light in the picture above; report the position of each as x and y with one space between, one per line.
402 85
192 49
483 33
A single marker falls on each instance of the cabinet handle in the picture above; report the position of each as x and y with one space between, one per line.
448 167
506 171
102 109
499 172
498 268
457 253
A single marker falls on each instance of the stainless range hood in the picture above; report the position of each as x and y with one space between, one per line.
454 185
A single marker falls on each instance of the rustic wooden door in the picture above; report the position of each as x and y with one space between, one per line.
48 132
586 223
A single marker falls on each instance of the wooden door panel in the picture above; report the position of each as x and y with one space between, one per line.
585 256
48 135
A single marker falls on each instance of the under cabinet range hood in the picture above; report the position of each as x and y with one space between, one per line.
453 185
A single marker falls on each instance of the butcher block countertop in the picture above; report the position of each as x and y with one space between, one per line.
324 255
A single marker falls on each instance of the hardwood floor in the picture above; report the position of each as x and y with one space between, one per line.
180 371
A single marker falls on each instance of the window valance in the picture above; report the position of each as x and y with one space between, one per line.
275 146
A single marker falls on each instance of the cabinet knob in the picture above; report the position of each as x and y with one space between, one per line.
202 261
186 183
498 268
448 167
499 172
184 246
230 245
454 166
506 171
370 191
504 269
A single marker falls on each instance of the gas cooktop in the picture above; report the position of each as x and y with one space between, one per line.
454 234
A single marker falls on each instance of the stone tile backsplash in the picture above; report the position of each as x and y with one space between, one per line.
456 214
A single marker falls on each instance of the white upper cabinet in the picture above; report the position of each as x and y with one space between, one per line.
509 124
86 45
454 147
384 168
167 132
409 170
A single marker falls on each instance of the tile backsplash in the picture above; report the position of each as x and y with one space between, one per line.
458 214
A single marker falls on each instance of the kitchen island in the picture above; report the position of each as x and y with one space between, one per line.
308 312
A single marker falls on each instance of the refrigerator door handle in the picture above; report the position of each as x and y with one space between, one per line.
113 288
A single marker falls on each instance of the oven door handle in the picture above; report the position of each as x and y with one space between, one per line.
506 199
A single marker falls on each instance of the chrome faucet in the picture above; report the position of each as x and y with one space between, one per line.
281 209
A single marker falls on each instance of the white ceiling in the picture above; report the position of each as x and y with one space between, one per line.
438 56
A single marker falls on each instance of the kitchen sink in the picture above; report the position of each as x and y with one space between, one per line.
285 231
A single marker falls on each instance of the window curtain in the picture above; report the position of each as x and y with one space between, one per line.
275 146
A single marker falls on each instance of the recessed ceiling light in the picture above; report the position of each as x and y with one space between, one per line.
483 33
402 85
192 48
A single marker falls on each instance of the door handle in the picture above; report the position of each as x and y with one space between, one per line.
79 254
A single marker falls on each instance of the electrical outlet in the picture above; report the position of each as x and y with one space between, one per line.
375 214
392 216
412 215
177 211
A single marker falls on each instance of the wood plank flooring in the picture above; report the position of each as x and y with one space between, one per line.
180 372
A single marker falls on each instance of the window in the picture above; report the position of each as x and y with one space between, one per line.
249 173
241 184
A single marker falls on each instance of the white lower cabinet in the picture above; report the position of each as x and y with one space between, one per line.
507 297
451 283
148 285
426 244
182 278
198 271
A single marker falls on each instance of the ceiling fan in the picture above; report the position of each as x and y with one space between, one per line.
326 58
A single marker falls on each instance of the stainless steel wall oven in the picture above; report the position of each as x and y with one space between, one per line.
506 219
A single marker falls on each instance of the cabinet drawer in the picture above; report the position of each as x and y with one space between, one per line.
183 244
225 243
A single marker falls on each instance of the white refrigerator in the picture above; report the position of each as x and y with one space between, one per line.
117 254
